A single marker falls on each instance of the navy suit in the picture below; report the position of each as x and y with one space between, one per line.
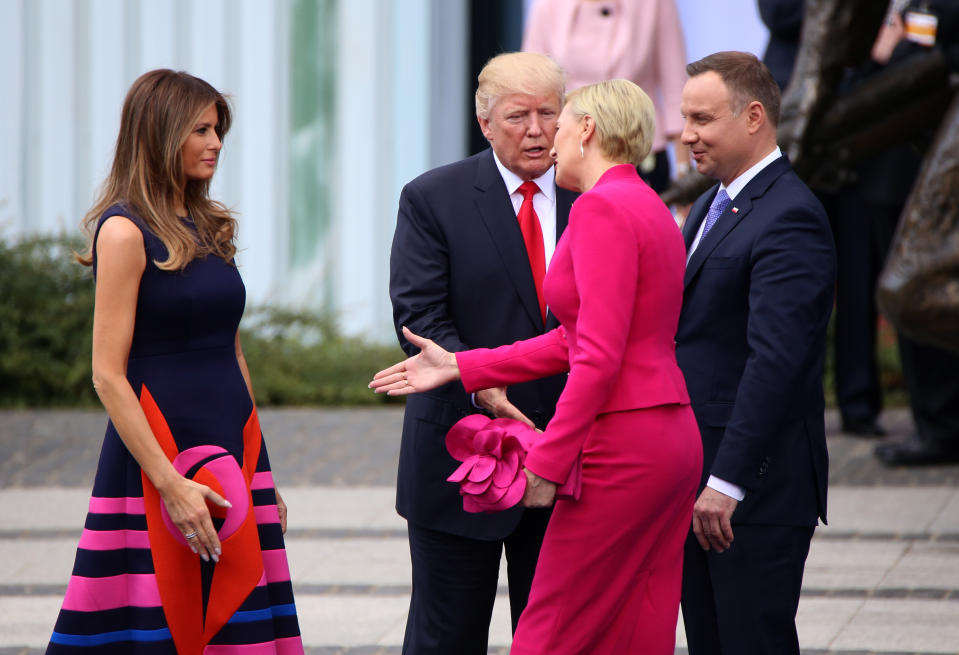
751 343
460 275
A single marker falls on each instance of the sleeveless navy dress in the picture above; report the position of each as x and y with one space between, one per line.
136 586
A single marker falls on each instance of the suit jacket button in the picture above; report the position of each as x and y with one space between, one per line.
763 467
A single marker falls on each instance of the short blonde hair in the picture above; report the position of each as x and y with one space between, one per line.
625 118
517 72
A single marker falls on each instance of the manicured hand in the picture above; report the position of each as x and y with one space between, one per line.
432 367
185 502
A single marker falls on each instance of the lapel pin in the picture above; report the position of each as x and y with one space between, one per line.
735 210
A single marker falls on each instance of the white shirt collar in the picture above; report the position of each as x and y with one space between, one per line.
545 182
740 182
733 190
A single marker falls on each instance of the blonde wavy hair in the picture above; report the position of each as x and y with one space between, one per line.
147 176
625 118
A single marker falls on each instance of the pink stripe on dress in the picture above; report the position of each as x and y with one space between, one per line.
125 590
114 539
262 480
266 514
117 505
275 565
285 646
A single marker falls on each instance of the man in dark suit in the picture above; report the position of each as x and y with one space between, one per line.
464 274
751 343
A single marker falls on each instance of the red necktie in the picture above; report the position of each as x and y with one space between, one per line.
533 237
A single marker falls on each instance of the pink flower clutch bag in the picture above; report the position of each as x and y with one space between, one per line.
492 452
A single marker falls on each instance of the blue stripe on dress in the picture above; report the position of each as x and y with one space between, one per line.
266 614
161 634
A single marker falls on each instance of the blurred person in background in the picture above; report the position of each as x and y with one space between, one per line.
867 214
637 40
783 19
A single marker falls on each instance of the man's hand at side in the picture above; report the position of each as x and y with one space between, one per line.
711 515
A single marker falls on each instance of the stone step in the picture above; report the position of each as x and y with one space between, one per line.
883 577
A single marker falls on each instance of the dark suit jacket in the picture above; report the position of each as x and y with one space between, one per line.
784 20
460 275
751 343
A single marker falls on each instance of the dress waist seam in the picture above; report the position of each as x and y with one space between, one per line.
189 351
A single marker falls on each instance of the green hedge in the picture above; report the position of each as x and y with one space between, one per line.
298 358
295 358
46 322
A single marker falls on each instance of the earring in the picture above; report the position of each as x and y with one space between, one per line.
581 152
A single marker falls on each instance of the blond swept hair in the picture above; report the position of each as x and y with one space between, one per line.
517 72
625 118
159 113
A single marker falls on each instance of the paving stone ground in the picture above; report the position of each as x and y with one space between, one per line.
882 578
343 447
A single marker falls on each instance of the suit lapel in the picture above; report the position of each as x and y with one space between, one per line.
735 213
564 203
496 210
696 215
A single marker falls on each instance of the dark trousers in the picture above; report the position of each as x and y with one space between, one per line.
454 585
932 378
744 599
863 232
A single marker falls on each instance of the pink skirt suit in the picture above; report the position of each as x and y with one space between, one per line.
609 572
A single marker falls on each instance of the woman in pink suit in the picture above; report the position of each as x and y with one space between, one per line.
608 576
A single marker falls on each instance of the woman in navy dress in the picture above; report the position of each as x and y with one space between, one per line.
182 550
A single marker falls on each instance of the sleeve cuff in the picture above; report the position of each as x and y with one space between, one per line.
727 488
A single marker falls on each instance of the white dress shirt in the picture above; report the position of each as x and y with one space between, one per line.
544 203
737 185
733 190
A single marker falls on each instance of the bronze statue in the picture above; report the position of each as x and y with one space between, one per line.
919 286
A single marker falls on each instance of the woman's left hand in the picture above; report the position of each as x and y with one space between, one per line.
280 509
540 492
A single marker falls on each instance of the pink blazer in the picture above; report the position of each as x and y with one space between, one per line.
616 285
